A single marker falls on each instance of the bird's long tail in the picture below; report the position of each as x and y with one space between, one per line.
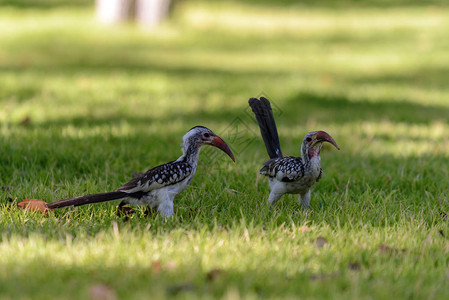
82 200
264 116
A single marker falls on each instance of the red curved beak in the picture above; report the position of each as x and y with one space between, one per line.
220 144
322 136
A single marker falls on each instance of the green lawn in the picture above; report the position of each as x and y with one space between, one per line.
82 106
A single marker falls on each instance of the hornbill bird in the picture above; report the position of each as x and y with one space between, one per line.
157 187
288 175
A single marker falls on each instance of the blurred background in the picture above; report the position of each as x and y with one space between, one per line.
107 73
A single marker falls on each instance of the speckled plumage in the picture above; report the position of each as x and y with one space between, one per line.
157 187
286 169
167 174
288 175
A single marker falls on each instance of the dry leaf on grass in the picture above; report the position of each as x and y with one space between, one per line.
34 205
102 292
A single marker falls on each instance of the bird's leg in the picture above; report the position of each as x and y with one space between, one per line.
304 199
166 208
273 198
123 210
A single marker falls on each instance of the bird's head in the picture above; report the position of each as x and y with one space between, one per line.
199 136
311 145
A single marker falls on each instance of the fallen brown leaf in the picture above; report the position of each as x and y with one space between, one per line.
102 292
34 205
213 274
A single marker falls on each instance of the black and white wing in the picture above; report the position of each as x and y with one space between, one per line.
285 169
158 177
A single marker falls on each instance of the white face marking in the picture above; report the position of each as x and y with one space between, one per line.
189 135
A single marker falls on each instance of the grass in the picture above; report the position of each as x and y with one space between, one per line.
83 106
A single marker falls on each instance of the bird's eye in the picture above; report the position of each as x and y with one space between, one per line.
309 139
206 135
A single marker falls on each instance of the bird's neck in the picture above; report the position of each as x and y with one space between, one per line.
312 159
311 153
190 153
313 167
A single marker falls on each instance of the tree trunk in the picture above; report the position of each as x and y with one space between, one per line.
150 13
114 11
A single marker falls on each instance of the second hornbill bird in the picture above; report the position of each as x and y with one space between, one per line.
289 175
157 187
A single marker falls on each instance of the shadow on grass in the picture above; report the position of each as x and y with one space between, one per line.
44 4
345 4
297 111
339 109
48 4
428 78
